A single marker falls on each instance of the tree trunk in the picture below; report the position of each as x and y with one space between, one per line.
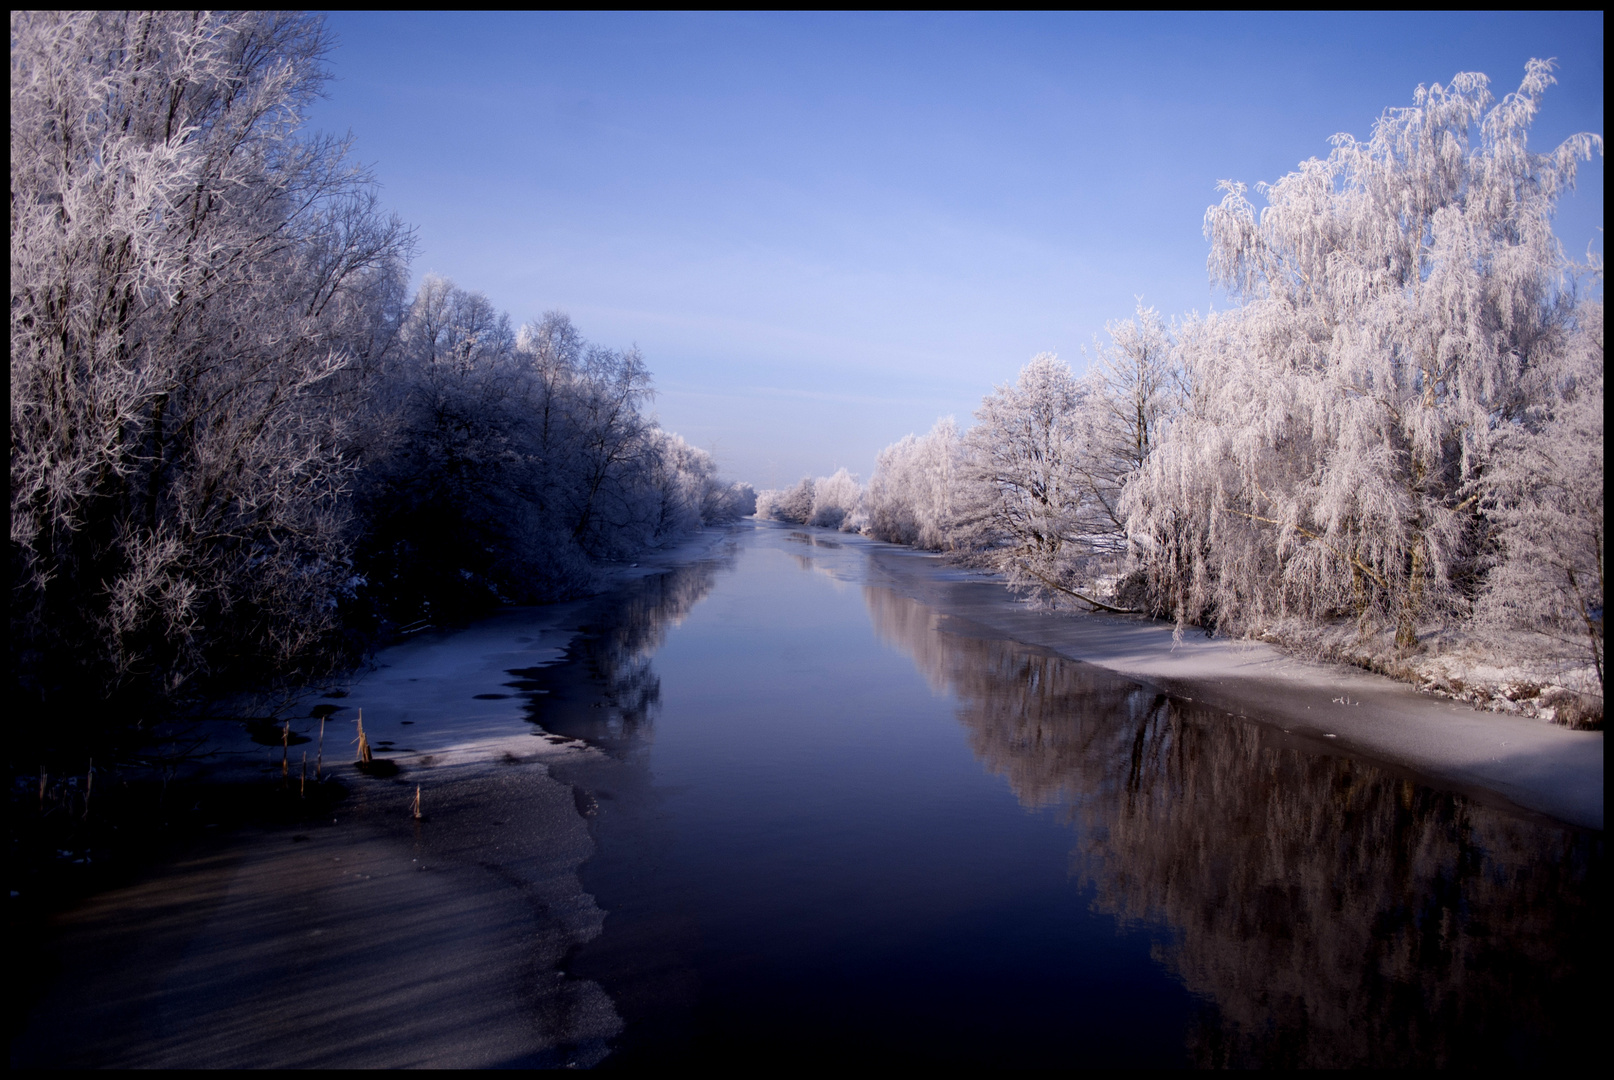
1406 631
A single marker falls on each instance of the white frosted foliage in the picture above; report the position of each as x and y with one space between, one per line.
1402 305
197 292
911 495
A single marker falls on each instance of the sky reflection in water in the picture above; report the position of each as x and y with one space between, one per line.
836 825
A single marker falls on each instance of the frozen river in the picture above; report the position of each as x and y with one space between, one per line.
832 823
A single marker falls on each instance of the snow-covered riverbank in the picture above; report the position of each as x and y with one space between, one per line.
366 939
1533 763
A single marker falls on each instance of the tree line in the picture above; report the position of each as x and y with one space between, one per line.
239 447
1398 428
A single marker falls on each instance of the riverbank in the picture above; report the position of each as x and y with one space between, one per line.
360 937
1530 762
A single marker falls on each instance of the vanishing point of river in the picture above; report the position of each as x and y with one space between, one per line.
833 825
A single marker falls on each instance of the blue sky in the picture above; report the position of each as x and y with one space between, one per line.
826 230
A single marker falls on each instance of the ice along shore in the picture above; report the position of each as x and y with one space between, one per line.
1531 763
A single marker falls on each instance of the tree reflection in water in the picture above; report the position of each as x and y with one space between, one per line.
605 690
1326 911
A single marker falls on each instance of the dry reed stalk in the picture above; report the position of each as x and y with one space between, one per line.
416 812
364 743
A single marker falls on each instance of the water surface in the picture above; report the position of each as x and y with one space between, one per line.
834 825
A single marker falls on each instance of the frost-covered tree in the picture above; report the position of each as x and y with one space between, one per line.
830 502
1037 485
793 504
685 491
613 452
221 400
1400 303
519 460
681 479
197 292
727 501
911 495
453 503
836 502
1135 388
1025 503
1545 495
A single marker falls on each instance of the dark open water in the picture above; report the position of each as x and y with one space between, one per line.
835 827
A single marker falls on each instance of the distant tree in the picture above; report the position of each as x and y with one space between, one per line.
790 504
726 502
836 500
686 492
198 292
830 502
910 499
447 503
518 460
681 480
1401 301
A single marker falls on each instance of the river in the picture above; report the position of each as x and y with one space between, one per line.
785 806
833 824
